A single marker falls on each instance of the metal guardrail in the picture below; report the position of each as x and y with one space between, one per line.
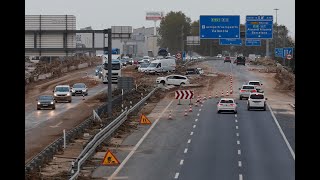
48 152
102 135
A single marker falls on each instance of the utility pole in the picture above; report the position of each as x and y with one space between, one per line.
182 44
109 73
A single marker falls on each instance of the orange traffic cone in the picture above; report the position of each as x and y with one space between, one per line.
210 97
227 93
170 117
190 109
231 91
196 104
222 93
216 95
185 112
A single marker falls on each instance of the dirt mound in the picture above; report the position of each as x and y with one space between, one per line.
286 80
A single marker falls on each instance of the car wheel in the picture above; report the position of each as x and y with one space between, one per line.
218 112
248 108
54 107
264 108
235 112
86 94
163 82
73 94
38 108
69 101
182 83
240 98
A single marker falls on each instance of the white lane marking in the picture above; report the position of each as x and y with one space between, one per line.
189 141
237 127
201 105
239 152
199 109
239 163
176 176
196 120
236 121
181 161
240 177
185 150
191 133
56 125
198 114
238 142
235 115
138 144
119 177
194 126
237 134
284 137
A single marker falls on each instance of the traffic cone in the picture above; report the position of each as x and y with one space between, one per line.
196 104
227 93
222 93
190 109
210 97
83 97
231 91
170 117
185 112
216 95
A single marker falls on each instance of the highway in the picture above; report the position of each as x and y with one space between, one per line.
206 145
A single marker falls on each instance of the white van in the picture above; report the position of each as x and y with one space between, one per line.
161 65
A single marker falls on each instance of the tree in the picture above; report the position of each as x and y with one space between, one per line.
173 30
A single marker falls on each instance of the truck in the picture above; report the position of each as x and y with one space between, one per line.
116 66
161 65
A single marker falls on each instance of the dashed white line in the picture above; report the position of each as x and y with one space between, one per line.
239 163
191 133
235 115
237 127
194 126
185 150
236 121
198 114
176 176
196 120
199 109
201 105
237 134
240 177
181 161
238 142
239 152
189 141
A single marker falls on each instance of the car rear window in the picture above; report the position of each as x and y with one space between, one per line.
226 101
257 96
247 87
254 83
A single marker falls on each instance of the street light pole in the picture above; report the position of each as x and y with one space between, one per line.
275 40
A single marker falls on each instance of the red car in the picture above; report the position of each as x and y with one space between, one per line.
227 59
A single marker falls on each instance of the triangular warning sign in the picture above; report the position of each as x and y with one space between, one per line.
144 119
110 159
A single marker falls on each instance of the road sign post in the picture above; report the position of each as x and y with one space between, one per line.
219 27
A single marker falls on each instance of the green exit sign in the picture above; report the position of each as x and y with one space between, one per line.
215 19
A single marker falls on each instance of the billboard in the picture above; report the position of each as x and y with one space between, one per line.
154 15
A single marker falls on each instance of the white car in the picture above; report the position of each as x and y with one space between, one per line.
173 80
256 101
257 85
219 56
227 104
245 91
143 67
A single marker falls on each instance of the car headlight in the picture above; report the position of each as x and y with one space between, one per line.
84 90
51 102
68 94
55 94
72 90
38 102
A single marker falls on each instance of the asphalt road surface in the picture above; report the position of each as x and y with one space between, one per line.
204 144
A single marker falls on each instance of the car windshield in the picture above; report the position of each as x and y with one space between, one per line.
247 87
45 98
153 64
62 89
257 96
226 101
144 65
115 66
79 86
254 83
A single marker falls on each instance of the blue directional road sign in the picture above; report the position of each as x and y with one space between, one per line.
233 42
253 42
279 52
286 51
259 27
219 27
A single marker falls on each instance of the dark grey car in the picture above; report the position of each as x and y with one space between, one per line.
46 102
79 89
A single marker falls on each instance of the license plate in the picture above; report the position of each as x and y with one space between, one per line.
44 104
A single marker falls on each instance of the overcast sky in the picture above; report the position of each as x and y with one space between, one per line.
102 14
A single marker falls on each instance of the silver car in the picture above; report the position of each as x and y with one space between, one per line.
227 104
246 90
79 89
